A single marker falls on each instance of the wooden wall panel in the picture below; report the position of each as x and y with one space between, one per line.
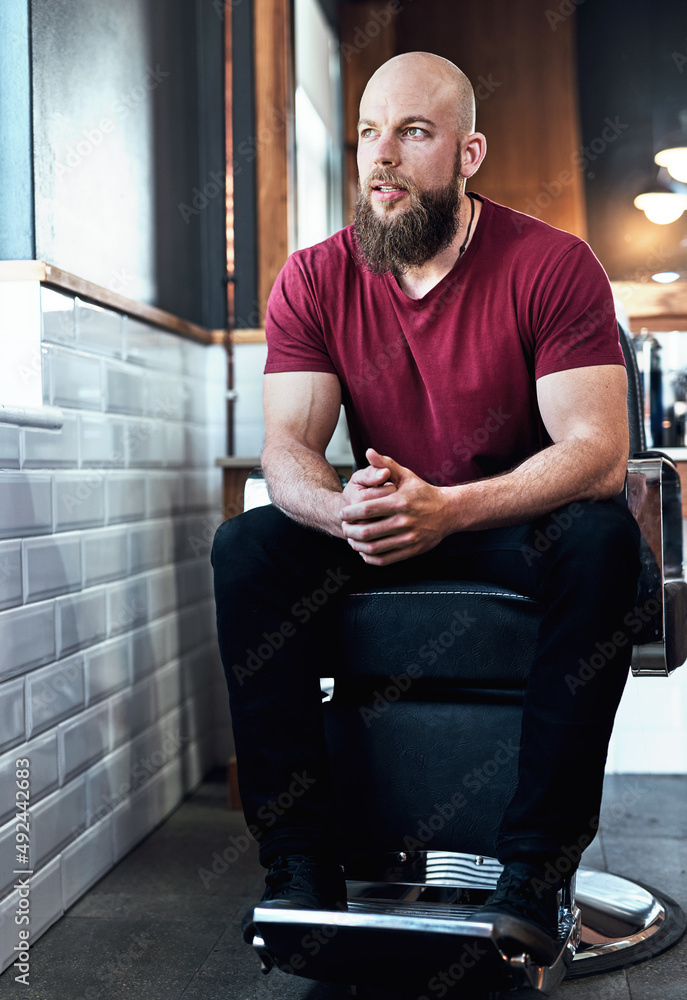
368 39
274 90
522 63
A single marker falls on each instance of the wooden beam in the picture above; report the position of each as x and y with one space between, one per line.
525 80
248 336
661 308
368 39
274 139
55 277
229 159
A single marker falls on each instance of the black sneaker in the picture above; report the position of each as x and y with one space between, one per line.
524 911
298 881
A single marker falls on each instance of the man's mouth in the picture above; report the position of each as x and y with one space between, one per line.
388 192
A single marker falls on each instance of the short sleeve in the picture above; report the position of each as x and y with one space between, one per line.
293 327
576 324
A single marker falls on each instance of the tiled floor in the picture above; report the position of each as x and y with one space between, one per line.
158 928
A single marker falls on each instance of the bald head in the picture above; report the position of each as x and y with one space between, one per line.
414 76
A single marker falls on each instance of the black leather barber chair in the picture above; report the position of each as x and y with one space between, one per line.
425 769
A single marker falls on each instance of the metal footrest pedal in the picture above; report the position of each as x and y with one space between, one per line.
410 928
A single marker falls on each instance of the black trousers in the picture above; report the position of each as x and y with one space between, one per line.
272 576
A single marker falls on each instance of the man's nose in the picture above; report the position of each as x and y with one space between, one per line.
387 153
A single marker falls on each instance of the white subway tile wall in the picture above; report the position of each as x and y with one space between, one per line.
110 677
249 426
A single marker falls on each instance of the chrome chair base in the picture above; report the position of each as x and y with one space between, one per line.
623 922
410 928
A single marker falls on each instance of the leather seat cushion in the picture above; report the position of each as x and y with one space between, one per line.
422 775
470 633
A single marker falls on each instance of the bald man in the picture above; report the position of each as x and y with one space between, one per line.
476 353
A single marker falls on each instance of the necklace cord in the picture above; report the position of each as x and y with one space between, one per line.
467 235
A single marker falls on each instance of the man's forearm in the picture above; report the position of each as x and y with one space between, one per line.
303 484
560 474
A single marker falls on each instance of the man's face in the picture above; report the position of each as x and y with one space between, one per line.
396 241
409 168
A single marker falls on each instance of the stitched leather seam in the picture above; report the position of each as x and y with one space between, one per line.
474 593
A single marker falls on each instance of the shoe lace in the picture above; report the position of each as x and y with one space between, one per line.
284 871
514 886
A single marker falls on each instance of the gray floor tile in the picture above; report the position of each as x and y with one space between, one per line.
232 972
165 923
663 978
612 986
645 805
662 864
98 959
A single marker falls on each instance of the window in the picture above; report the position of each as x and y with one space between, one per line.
319 202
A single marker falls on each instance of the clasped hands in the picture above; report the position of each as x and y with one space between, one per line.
390 514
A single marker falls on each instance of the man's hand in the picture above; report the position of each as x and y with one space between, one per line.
370 483
411 517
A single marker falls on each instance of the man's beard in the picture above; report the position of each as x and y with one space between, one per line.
410 238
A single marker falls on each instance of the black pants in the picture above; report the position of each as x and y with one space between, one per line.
271 577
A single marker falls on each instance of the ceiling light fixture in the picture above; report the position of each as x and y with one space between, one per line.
661 207
660 204
673 152
665 277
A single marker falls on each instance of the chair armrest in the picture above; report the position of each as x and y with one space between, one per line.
654 498
255 491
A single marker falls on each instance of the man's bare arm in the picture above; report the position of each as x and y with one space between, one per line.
584 411
301 412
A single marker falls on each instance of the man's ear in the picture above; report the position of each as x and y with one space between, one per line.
474 149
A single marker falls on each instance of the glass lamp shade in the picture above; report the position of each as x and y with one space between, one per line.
674 160
661 207
665 277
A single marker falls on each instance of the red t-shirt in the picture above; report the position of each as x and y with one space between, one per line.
445 384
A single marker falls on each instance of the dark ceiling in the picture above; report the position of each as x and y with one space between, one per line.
632 69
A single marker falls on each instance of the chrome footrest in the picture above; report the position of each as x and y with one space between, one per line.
410 926
391 936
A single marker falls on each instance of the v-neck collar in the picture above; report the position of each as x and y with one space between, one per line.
460 265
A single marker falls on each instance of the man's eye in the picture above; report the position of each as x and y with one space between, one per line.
366 133
415 131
